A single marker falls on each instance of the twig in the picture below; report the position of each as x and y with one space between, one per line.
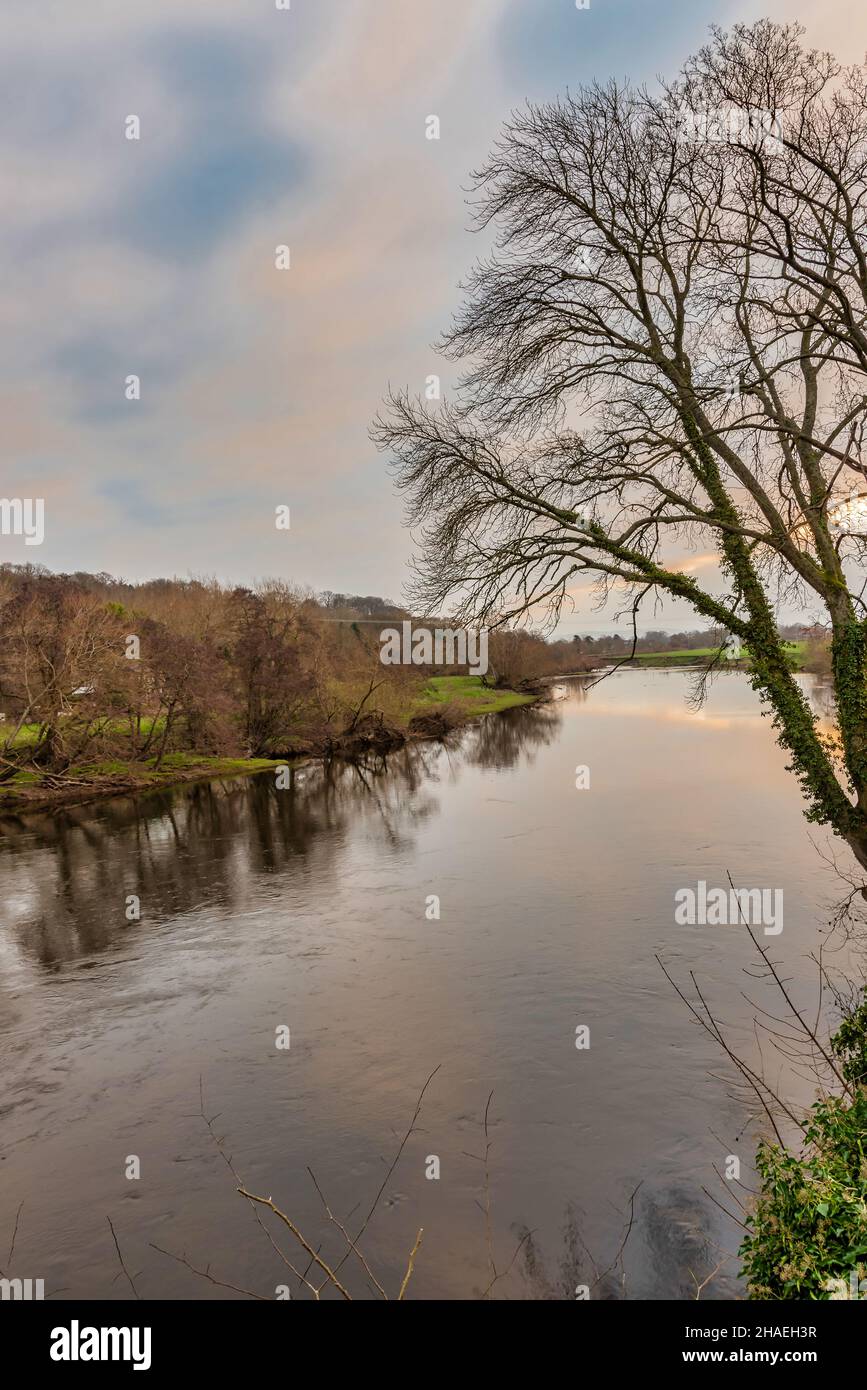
14 1234
730 1216
618 1257
521 1243
488 1231
347 1237
120 1257
412 1254
712 1029
206 1274
394 1163
705 1282
331 1277
240 1183
780 983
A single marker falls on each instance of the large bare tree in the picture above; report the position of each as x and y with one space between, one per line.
666 350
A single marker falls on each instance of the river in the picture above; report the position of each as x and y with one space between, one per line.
311 909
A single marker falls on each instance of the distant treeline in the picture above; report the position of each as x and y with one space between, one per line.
92 667
614 644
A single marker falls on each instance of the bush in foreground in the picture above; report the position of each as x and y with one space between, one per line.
808 1232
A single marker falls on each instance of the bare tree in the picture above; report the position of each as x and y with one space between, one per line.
271 658
61 671
698 305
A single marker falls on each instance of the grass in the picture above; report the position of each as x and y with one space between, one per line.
796 651
117 775
194 760
29 733
469 692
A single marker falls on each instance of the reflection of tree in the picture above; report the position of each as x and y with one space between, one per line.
578 690
183 848
673 1247
500 741
575 1267
821 695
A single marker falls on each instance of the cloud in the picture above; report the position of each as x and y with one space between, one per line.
551 44
830 24
156 257
257 387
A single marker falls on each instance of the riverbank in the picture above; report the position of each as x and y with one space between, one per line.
698 656
447 702
27 791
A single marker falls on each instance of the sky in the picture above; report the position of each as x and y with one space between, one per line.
155 257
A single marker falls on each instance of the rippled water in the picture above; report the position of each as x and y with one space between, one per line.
308 908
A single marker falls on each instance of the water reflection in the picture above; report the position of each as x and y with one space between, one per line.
306 907
664 1248
180 849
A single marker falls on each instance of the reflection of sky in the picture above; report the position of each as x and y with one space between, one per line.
307 907
661 696
670 714
258 127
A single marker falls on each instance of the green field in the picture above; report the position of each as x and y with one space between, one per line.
468 692
796 651
29 733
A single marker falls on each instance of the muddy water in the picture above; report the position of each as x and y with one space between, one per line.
311 909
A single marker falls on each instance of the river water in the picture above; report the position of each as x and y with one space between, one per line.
311 909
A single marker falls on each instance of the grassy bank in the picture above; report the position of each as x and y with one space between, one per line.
469 694
694 655
29 790
463 698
